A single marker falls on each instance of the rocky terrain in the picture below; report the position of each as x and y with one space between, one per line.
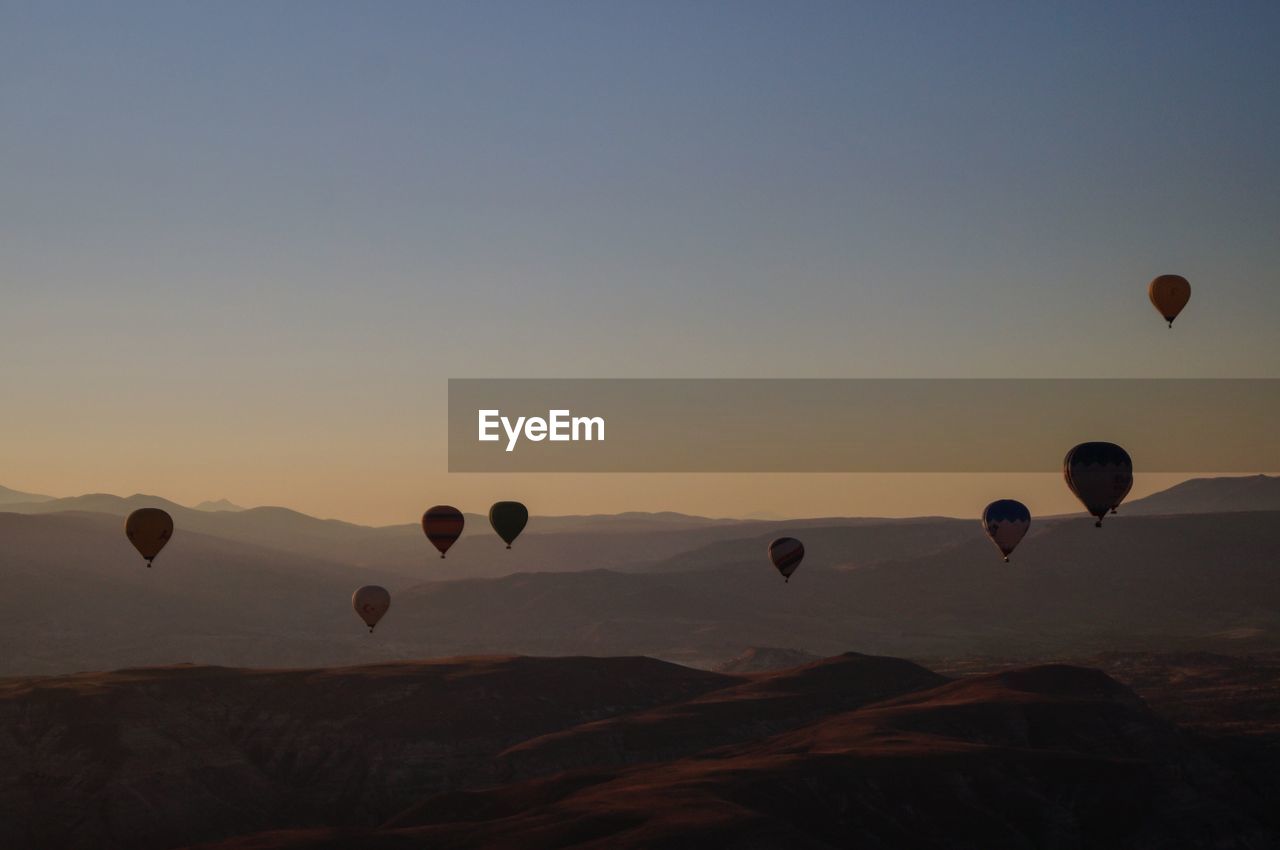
632 752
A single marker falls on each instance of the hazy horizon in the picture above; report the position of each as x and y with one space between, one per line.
911 499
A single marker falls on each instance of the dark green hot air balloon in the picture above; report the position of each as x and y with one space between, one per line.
508 519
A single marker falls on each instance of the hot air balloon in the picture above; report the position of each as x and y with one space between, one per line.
148 529
1169 293
371 603
1006 521
508 519
443 526
1100 474
786 554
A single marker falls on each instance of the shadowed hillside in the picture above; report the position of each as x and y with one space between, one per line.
1049 756
763 659
761 707
1139 582
157 757
81 598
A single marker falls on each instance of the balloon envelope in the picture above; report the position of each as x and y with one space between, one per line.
1006 521
786 554
1100 475
1169 293
443 525
371 602
508 519
148 529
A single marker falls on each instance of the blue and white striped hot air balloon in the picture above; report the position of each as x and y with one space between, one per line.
1006 521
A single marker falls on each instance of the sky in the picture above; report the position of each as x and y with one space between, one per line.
244 245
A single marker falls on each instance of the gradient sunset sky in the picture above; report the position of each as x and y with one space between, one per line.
243 245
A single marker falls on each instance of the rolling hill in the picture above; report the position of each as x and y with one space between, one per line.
159 757
80 598
620 541
1212 496
1139 583
269 586
1051 756
16 497
650 542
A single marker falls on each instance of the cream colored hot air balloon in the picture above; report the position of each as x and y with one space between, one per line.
1169 293
148 529
371 603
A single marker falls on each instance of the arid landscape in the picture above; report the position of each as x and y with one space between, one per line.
508 751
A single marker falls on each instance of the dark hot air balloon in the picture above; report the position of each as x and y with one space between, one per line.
1169 293
1006 521
1100 474
508 519
786 554
443 525
148 529
371 603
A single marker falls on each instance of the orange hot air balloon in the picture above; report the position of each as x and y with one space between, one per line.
443 526
1169 293
148 529
371 603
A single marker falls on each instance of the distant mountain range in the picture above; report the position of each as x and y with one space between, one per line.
617 541
1212 495
1198 495
219 505
17 497
271 587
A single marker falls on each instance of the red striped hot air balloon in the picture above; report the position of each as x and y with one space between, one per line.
443 526
786 554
